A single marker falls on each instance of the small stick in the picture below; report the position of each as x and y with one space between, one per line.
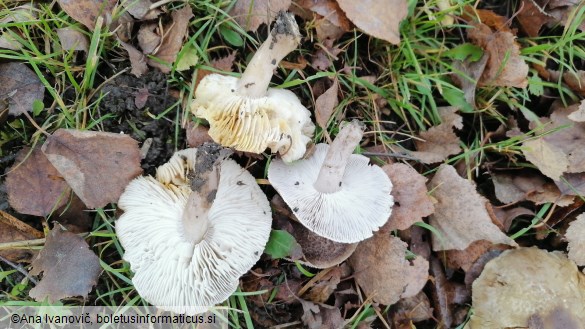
19 269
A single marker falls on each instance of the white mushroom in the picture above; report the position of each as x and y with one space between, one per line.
247 115
335 193
188 249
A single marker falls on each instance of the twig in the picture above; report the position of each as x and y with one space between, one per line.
19 269
390 155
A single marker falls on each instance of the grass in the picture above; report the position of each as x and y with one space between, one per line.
413 78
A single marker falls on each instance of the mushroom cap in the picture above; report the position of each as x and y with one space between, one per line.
277 121
526 286
320 252
170 271
350 215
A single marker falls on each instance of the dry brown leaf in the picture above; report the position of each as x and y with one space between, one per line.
251 13
445 294
137 59
321 316
197 134
460 215
467 74
141 97
378 18
579 114
34 186
512 188
20 86
324 57
148 38
330 11
13 230
72 39
8 41
527 283
411 309
505 66
97 165
411 202
550 160
505 216
172 41
223 64
140 9
575 235
87 12
382 271
532 17
69 267
464 259
439 142
322 289
325 105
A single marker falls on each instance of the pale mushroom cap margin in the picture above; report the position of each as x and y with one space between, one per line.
277 121
350 215
174 274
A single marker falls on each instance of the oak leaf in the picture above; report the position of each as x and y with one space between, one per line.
97 165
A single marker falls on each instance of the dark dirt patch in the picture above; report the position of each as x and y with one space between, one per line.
141 123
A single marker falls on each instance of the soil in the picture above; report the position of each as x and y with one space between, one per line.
121 96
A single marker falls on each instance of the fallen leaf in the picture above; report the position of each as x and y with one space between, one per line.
550 160
197 134
460 216
330 11
8 41
148 38
223 64
532 17
24 13
97 165
74 216
378 18
383 272
172 41
411 309
322 289
141 97
464 259
439 142
69 267
140 9
321 316
325 105
249 14
505 66
34 186
445 294
575 235
87 12
282 244
72 39
525 283
505 216
13 230
512 188
325 55
188 59
20 86
579 114
137 60
466 74
411 202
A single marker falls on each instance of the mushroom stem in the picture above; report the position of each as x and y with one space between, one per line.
333 168
283 39
204 183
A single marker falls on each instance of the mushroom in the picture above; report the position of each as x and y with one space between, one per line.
193 231
247 115
334 193
528 288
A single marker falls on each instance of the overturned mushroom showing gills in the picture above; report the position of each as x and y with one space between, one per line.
334 193
193 231
247 115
